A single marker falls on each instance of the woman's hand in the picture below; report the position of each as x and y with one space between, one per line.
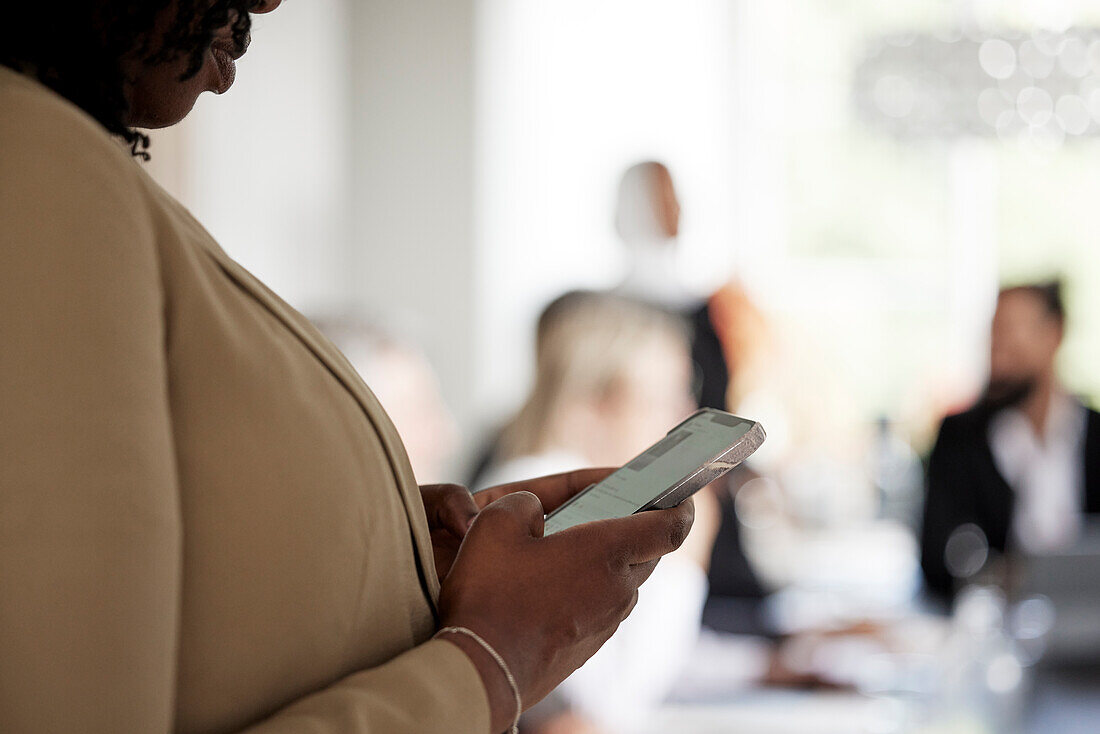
547 604
450 509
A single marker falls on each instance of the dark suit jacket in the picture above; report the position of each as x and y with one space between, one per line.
964 486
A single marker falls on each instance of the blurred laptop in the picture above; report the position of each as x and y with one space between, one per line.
1070 579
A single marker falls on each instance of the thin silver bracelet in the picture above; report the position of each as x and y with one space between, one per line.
499 661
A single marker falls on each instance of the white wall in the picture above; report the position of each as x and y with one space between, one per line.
266 166
571 93
413 261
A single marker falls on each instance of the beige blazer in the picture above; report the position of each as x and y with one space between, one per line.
207 522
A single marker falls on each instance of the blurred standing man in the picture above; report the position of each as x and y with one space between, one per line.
1023 465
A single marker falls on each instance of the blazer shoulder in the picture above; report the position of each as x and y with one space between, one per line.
1092 425
40 128
974 419
962 431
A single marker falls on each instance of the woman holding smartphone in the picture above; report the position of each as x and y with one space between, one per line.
207 523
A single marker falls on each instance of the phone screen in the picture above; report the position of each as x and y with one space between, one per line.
695 443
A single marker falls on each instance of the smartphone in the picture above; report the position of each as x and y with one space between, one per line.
693 454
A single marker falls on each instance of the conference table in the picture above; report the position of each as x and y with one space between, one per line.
907 667
1062 702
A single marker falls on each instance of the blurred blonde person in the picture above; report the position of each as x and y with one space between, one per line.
612 376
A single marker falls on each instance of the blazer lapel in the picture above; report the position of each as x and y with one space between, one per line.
1092 463
338 365
1000 499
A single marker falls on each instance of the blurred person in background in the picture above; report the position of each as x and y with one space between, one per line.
725 327
612 377
407 386
1022 465
727 332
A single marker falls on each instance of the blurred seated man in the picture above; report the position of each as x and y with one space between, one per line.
1023 465
612 376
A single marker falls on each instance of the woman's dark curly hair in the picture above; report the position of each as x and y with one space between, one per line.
77 48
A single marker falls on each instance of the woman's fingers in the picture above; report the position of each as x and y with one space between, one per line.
517 507
640 572
644 536
552 490
449 507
